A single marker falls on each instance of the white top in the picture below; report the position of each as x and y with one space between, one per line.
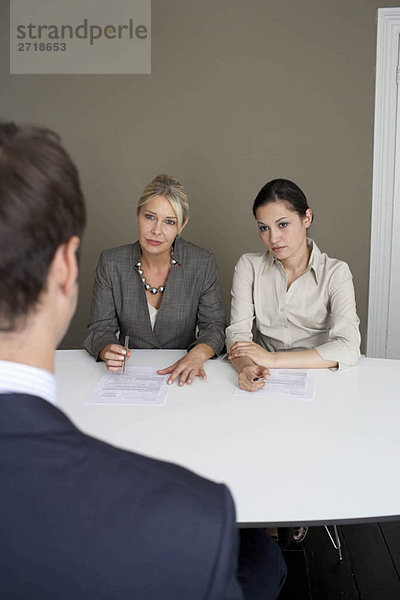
152 314
317 311
339 452
16 378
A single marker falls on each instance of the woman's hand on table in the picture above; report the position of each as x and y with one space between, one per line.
113 355
189 366
253 351
253 377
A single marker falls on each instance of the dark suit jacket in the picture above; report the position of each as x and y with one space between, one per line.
192 298
83 520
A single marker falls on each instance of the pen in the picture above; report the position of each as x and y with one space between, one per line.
257 378
126 352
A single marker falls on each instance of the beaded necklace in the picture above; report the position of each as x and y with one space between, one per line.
146 285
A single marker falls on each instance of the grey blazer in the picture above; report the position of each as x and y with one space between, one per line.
192 302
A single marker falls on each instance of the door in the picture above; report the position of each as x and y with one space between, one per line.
393 328
383 336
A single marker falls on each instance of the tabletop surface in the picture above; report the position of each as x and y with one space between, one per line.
331 459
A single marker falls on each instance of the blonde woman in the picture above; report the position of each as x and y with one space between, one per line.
162 291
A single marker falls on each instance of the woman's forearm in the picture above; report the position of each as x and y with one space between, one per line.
240 363
203 351
299 359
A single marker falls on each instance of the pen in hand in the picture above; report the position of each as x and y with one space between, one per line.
258 378
126 352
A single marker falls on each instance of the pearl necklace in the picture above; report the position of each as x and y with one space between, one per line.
146 285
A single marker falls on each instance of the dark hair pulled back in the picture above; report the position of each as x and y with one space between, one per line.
285 190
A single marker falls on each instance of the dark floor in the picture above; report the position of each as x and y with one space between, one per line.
370 569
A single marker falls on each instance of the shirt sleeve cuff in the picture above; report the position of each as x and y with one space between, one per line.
335 352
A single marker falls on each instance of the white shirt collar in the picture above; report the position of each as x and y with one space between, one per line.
17 378
313 262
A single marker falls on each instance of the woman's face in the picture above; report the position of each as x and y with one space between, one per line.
282 230
157 225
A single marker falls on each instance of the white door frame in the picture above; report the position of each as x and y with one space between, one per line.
383 187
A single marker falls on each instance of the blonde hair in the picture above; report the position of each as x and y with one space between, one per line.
173 191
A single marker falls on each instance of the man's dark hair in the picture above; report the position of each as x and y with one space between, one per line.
41 207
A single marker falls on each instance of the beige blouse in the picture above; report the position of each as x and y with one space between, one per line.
317 311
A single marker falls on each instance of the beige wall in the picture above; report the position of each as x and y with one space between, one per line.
241 91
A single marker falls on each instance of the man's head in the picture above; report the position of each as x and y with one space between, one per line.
42 217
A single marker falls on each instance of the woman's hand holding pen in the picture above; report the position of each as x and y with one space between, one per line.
190 366
253 351
113 355
252 378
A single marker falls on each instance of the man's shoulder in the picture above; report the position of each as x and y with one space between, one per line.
124 512
150 489
180 483
101 469
127 469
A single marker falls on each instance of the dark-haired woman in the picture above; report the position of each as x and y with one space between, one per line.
302 300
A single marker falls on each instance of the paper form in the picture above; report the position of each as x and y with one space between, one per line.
286 383
140 386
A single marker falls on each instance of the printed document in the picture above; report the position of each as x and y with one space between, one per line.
139 386
286 383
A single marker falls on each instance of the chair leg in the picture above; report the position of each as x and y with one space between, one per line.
336 542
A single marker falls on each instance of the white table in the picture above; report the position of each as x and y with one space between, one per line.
334 459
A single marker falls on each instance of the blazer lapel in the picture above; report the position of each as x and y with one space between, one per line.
173 294
142 308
